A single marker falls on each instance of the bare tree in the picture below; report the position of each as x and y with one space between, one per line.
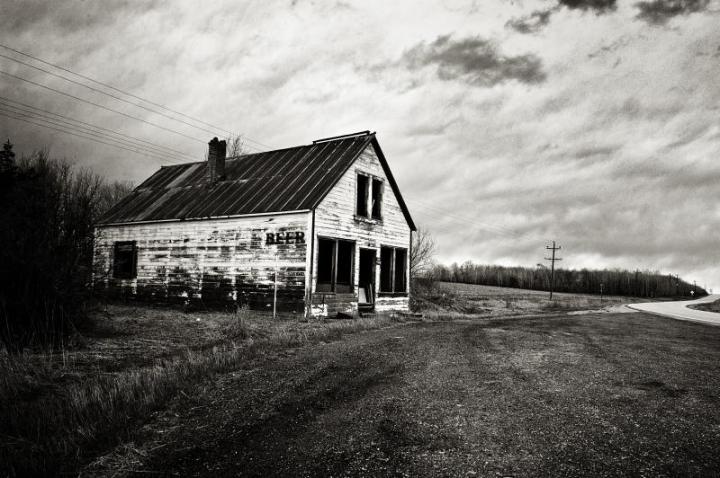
423 251
49 211
235 146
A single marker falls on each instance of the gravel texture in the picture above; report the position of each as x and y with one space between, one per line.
596 394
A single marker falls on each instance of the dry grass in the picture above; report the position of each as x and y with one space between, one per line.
60 409
454 299
707 306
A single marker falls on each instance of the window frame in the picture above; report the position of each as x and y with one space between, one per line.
132 273
366 191
376 200
394 292
371 213
332 286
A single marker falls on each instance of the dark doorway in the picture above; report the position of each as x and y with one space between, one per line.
366 282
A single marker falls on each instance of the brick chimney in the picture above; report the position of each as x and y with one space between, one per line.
216 161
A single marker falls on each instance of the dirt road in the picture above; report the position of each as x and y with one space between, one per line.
599 394
680 310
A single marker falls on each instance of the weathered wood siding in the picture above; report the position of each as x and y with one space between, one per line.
217 260
335 218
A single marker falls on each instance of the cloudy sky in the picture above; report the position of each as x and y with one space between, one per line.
507 123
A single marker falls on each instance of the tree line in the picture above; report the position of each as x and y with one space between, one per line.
586 281
48 209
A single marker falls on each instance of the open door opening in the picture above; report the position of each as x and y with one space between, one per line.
366 282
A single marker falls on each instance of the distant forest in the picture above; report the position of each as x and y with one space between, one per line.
585 281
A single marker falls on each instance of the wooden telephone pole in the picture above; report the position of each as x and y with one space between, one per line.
552 260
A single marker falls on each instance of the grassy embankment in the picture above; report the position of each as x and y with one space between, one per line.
58 409
708 306
61 408
445 299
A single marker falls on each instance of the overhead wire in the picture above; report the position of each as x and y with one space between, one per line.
137 151
214 132
470 224
497 229
502 229
85 132
66 126
113 88
102 106
25 108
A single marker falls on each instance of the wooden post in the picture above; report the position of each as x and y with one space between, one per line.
275 290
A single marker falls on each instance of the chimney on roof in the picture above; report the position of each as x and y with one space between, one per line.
216 161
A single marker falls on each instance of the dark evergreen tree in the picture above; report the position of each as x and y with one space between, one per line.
7 158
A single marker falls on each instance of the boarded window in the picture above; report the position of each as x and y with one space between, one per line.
335 265
393 270
125 260
377 196
363 191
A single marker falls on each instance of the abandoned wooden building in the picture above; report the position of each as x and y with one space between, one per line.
315 229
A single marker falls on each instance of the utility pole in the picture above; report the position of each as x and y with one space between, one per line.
552 260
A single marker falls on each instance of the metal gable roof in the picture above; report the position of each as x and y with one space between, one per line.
290 179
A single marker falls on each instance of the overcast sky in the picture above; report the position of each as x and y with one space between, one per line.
507 124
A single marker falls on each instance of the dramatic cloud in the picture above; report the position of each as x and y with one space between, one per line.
475 61
598 6
500 141
538 19
659 12
531 23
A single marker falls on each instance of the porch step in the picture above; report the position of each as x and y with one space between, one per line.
366 310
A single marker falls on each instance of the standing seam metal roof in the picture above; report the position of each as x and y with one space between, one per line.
291 179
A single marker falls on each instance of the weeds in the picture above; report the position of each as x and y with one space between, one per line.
49 432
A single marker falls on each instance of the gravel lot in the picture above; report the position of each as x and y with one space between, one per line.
596 394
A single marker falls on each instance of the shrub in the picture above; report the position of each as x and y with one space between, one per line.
48 212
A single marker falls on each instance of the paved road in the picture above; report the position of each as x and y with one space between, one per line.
592 395
680 310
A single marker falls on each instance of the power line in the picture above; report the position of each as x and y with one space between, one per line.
500 229
84 133
122 92
81 136
490 227
84 130
44 113
213 132
466 222
101 106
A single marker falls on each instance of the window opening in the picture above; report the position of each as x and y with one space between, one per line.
393 270
125 260
335 265
377 196
363 190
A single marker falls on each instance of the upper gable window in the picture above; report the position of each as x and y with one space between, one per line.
363 192
369 197
377 194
